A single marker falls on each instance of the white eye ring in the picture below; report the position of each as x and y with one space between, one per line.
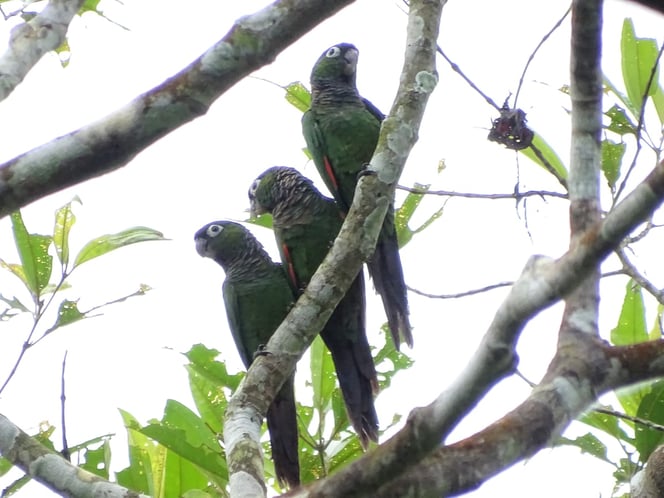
333 52
254 187
214 230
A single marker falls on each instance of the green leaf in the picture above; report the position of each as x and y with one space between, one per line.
631 327
184 433
389 361
323 378
298 96
144 470
33 251
64 220
15 486
67 313
606 423
588 443
263 220
14 303
651 409
612 155
638 58
107 243
98 460
181 475
548 154
405 213
344 452
207 380
5 466
658 99
656 330
619 123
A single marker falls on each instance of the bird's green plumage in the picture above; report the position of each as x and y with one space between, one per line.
341 130
305 225
257 296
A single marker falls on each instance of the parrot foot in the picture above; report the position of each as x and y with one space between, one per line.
366 171
261 351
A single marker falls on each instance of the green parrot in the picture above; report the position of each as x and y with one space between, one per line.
305 225
341 131
257 296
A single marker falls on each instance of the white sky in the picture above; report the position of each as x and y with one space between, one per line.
129 358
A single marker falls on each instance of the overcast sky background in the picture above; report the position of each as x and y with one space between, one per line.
129 358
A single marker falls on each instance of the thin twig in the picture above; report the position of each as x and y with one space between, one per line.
539 45
65 446
473 195
461 294
455 67
638 277
636 420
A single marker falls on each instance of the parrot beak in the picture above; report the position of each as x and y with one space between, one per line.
351 57
201 246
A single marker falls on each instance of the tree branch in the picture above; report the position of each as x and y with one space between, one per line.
29 42
112 142
51 469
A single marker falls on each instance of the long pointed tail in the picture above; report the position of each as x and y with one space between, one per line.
345 336
387 275
282 424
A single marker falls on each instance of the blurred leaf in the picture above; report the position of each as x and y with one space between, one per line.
184 433
626 470
107 243
638 57
606 423
656 330
98 460
67 313
549 155
64 53
139 475
631 327
207 378
5 465
651 409
612 155
16 270
658 99
64 220
619 123
298 96
15 486
389 361
181 475
405 213
264 220
343 452
33 251
14 303
588 443
323 378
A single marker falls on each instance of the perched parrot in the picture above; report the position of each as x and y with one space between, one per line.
305 225
341 131
258 297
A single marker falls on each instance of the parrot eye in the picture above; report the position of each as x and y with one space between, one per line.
253 188
333 52
214 230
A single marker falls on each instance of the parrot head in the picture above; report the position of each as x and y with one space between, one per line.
278 186
221 240
338 62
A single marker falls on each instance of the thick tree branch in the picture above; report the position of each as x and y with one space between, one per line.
51 469
29 42
112 142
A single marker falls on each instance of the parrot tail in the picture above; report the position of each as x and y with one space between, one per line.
282 424
387 275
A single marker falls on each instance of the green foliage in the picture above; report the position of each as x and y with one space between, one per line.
35 272
182 453
548 154
639 426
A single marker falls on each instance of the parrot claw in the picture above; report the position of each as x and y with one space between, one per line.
365 171
261 351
